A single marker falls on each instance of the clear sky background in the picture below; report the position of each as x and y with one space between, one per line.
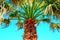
43 32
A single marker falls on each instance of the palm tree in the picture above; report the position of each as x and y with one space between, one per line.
32 12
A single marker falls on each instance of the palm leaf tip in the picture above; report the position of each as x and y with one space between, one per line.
17 2
1 20
19 25
7 22
55 26
46 20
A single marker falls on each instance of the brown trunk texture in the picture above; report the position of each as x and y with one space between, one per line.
30 30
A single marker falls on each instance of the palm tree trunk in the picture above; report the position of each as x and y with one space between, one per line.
30 31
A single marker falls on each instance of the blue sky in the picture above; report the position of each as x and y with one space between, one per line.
43 32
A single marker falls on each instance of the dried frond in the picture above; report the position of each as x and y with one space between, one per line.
17 2
7 22
52 10
58 26
1 20
53 26
30 2
3 10
56 13
14 1
19 25
48 10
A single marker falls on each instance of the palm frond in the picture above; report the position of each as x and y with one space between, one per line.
17 2
52 10
46 20
50 1
55 25
7 22
26 9
19 25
